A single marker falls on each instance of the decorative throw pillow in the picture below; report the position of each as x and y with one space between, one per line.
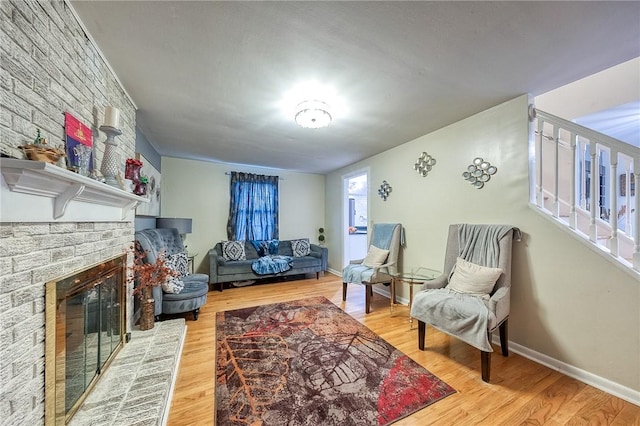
266 247
179 262
301 247
273 246
173 285
473 279
233 250
375 257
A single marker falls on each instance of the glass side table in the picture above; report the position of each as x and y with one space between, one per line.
192 260
412 277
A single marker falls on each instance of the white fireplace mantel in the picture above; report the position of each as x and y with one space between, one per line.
35 191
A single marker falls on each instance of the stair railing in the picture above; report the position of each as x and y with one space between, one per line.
572 165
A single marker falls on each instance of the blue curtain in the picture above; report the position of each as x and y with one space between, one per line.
253 210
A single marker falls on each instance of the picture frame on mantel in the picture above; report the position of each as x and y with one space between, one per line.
152 208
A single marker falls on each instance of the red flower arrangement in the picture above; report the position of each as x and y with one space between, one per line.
148 275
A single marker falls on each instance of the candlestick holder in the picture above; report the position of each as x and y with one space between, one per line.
110 162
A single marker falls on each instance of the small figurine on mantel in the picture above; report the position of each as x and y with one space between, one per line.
133 172
39 150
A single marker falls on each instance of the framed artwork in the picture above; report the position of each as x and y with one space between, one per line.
78 144
152 208
623 185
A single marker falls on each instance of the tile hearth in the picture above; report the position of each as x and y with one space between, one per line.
137 387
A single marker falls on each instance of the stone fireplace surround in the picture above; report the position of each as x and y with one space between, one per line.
139 381
32 253
50 66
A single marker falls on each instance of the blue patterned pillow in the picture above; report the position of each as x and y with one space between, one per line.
266 247
301 247
173 285
233 250
179 262
273 246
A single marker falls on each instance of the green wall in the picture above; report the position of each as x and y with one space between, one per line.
568 303
200 190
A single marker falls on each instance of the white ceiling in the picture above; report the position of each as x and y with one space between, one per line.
621 122
208 77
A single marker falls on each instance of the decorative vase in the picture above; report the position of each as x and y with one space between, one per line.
139 188
110 159
147 308
132 170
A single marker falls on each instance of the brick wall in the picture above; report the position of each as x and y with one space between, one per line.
47 66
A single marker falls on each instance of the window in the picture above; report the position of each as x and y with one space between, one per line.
253 208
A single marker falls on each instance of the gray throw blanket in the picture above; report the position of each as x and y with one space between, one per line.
463 315
271 264
357 273
480 244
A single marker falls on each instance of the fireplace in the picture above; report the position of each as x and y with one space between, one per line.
84 329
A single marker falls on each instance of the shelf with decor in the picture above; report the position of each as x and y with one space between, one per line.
28 185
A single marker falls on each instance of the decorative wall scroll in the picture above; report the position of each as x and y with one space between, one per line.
424 164
384 190
479 172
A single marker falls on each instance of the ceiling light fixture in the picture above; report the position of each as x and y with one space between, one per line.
312 114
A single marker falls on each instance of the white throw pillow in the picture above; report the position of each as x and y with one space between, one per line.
375 257
173 285
179 262
233 250
300 248
473 279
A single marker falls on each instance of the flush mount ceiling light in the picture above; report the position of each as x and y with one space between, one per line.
313 114
313 105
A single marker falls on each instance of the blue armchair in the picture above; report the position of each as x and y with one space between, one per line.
380 264
196 286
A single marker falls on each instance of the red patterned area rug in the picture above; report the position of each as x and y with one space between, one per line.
307 362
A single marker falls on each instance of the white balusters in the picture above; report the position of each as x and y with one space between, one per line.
540 197
594 193
573 215
613 202
617 216
556 175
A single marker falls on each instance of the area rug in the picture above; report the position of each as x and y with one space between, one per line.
307 362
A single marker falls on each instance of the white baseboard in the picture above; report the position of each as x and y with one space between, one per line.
590 379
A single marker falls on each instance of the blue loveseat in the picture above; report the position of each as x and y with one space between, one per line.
222 271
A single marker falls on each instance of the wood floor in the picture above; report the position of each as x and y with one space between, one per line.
521 391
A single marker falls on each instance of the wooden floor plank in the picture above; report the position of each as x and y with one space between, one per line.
544 406
521 391
628 416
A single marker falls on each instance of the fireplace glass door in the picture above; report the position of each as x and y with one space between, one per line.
89 331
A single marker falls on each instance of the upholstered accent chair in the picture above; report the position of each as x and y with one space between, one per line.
196 286
380 264
464 302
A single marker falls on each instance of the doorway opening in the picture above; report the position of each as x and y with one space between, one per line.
355 220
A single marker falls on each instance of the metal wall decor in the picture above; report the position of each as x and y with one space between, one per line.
424 164
385 190
479 172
